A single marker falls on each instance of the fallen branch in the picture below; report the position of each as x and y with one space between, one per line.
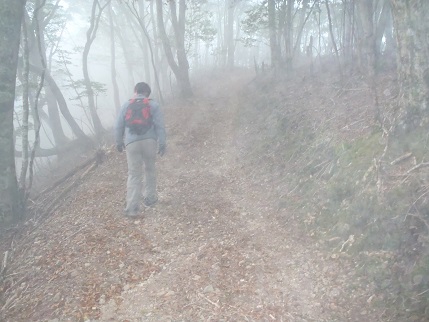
349 241
67 176
418 166
401 158
50 207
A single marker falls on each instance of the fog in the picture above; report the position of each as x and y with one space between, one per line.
167 53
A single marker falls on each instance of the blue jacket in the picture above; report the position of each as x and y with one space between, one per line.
156 132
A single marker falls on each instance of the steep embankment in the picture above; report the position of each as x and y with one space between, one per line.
225 241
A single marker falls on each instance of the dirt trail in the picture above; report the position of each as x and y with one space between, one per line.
215 248
225 253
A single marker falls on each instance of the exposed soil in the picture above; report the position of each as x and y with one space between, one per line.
217 247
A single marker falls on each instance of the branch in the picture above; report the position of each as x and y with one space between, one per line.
418 166
401 158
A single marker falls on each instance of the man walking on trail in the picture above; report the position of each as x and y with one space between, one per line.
140 128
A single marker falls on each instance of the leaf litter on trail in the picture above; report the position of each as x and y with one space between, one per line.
217 246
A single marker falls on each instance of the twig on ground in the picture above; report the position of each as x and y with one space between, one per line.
418 166
208 300
420 294
353 123
401 158
350 240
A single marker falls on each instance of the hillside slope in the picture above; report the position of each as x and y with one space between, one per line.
225 241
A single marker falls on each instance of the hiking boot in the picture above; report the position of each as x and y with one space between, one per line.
150 202
132 213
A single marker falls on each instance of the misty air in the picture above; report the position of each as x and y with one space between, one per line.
214 160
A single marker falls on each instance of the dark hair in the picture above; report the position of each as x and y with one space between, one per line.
142 88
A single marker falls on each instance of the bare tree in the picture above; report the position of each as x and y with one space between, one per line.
181 67
42 21
54 96
96 13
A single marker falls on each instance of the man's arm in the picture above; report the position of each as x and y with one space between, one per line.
158 122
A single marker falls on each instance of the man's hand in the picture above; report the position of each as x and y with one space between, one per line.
161 149
120 147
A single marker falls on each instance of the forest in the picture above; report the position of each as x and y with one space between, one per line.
295 185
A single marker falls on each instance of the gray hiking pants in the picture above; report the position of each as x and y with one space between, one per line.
140 153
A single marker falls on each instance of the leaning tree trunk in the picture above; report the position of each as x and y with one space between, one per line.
38 26
62 104
301 24
11 14
411 26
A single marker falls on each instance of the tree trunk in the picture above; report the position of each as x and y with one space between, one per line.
274 45
11 14
62 104
381 26
35 59
348 31
90 36
60 138
120 21
116 100
156 49
229 33
145 49
301 24
333 39
367 40
411 26
22 182
181 68
289 34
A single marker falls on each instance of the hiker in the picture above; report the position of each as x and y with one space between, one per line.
140 130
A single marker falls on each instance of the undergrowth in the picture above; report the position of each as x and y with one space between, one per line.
371 200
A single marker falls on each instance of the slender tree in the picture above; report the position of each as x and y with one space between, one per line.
276 59
25 109
113 59
229 33
334 43
96 13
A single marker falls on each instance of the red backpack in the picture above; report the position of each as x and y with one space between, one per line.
138 117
